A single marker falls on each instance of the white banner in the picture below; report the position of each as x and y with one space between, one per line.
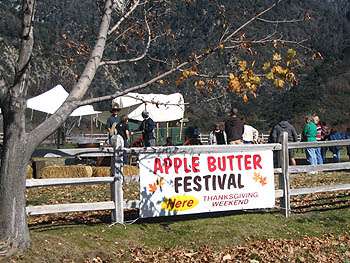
178 184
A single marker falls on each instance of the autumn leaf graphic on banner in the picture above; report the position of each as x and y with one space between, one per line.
152 187
263 181
158 184
259 178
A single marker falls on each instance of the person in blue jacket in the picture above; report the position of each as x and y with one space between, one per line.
348 137
333 136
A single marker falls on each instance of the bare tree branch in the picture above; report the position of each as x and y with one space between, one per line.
250 21
281 21
54 121
131 89
115 62
26 50
262 41
126 15
156 102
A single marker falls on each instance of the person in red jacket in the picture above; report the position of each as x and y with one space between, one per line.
319 157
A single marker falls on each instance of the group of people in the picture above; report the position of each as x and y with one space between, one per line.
117 125
234 131
313 130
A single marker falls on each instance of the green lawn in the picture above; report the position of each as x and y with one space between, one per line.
322 234
59 242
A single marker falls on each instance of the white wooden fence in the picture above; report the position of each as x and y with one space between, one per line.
102 137
118 204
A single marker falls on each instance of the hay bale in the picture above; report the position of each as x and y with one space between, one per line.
129 170
68 171
29 172
40 163
101 171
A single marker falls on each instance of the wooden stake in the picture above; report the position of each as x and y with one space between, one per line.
284 178
117 185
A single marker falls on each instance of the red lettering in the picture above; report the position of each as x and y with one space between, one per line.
256 161
230 157
222 163
186 168
177 164
239 161
167 164
211 163
195 164
247 162
157 166
190 203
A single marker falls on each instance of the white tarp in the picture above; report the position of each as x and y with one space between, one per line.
51 100
162 108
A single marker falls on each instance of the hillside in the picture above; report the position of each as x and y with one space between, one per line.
65 31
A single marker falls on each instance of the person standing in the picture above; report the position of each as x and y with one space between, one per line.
324 137
234 128
147 127
309 135
112 122
276 136
335 136
318 151
250 134
347 136
217 136
123 130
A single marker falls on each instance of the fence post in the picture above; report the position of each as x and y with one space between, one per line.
117 185
284 178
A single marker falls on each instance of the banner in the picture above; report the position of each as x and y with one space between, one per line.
178 184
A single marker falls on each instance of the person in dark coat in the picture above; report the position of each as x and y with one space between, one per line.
123 130
276 136
147 127
284 126
234 128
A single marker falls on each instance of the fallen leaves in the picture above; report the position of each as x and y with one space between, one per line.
327 248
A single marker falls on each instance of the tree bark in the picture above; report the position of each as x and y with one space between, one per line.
14 234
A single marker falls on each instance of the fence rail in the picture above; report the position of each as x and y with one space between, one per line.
118 204
102 137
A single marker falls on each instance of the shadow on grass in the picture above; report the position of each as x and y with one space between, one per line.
319 209
131 216
166 221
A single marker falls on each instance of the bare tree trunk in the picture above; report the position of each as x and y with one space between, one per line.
14 234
